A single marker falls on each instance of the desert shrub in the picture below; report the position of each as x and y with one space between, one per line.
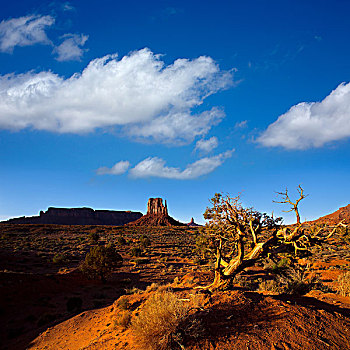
144 241
152 287
100 261
123 303
293 281
245 282
163 322
94 237
271 286
136 251
123 319
344 284
59 258
280 266
120 240
203 247
133 290
74 304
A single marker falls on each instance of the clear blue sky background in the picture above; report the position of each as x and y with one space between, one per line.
227 118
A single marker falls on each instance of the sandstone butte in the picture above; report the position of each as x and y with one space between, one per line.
157 215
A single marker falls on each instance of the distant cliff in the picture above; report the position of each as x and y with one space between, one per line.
79 216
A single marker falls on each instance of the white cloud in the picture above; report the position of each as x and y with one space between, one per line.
71 47
207 145
24 31
308 125
138 92
67 7
155 167
117 169
241 125
180 126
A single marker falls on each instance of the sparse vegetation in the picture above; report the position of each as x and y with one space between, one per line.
94 237
136 251
240 237
59 258
122 319
344 284
100 262
163 321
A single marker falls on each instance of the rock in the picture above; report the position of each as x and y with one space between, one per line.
79 216
342 214
155 206
192 223
157 215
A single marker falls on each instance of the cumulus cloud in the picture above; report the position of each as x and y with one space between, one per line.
117 169
155 167
71 48
24 31
308 125
207 145
180 126
139 93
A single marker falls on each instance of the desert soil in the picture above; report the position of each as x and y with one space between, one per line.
39 276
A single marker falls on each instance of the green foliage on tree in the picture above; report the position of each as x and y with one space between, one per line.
100 261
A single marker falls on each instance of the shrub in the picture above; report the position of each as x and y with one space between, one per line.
94 237
123 303
59 258
294 281
144 241
270 286
344 284
121 240
136 251
122 319
280 266
163 322
100 262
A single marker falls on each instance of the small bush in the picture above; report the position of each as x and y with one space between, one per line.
121 240
294 281
100 262
136 251
280 266
94 237
123 319
144 241
163 322
59 258
271 286
344 284
123 303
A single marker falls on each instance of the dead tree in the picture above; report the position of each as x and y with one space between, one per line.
236 232
241 236
294 205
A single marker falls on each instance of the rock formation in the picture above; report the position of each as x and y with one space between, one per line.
79 216
155 207
342 214
157 215
192 223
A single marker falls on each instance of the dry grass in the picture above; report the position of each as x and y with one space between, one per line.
344 284
163 321
122 319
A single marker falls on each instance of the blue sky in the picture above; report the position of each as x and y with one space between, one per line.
105 104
